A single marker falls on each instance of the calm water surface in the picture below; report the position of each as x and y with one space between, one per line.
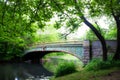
23 71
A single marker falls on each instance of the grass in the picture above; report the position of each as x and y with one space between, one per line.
86 75
95 70
55 61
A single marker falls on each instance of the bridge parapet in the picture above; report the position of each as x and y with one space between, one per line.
64 47
55 44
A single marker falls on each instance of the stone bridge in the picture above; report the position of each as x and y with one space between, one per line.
75 48
81 50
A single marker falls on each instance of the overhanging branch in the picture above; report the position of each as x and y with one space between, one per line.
4 11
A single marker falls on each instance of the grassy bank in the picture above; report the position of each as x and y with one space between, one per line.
106 74
97 69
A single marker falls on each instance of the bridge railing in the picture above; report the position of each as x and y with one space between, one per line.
55 43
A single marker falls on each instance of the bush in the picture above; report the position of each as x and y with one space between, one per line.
93 65
115 63
65 68
98 64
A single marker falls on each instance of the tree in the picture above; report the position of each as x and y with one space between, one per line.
47 35
17 19
75 7
109 34
17 16
110 8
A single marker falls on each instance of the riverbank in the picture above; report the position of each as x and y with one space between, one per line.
107 74
12 60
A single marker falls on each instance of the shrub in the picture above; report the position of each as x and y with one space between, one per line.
93 65
65 68
115 63
98 64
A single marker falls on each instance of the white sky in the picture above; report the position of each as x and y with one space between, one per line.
78 33
102 22
81 32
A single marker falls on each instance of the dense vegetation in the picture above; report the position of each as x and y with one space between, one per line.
65 68
19 21
60 64
95 70
106 74
25 22
97 64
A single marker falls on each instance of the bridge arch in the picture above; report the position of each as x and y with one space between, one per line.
77 49
35 56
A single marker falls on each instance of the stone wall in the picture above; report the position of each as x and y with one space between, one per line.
96 49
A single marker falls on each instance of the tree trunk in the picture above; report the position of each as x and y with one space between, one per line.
117 54
99 36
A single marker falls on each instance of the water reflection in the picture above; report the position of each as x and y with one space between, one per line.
23 71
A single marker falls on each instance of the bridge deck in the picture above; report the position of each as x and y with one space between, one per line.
73 47
67 43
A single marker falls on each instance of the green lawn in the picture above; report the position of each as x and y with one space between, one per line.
87 75
68 57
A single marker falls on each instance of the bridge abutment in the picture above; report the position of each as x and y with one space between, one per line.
86 51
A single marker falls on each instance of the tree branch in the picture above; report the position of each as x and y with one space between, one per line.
72 22
112 10
4 11
36 11
57 5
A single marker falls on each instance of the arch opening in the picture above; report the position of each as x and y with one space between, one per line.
50 59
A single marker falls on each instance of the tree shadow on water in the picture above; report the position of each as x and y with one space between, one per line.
22 71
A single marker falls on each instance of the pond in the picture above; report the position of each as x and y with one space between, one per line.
23 71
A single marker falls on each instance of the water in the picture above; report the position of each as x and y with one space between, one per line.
23 71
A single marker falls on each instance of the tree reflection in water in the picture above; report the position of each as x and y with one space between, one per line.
23 71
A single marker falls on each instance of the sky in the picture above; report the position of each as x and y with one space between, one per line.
77 34
81 31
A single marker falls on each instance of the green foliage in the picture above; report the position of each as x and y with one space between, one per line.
90 75
53 60
98 64
90 36
54 54
19 20
10 50
47 34
18 23
65 68
104 7
109 34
